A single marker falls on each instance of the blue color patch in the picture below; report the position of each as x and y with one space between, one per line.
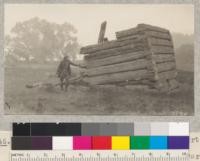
158 142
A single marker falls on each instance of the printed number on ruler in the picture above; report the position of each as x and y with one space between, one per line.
101 155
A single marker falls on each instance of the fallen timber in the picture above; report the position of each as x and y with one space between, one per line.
143 55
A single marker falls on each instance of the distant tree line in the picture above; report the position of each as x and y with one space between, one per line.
184 50
38 40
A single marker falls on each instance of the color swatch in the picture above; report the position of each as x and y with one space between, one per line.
120 142
101 136
101 142
82 142
62 143
140 142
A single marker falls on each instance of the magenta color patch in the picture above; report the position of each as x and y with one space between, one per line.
82 142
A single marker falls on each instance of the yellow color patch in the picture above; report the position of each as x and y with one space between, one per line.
120 142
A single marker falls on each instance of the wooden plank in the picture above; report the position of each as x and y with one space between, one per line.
133 37
153 28
167 75
139 29
115 51
144 82
166 66
116 77
161 58
162 49
128 32
96 47
115 59
108 45
158 35
117 68
160 42
102 32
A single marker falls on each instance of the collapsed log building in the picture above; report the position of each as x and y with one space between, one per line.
143 55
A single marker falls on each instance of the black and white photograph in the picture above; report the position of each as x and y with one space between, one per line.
99 59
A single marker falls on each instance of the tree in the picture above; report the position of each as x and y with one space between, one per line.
40 40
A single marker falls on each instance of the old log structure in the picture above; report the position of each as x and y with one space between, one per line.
143 55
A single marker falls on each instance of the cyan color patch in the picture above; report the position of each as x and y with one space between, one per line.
158 142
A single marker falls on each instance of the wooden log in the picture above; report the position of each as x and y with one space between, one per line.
117 77
167 66
115 59
162 50
96 47
116 68
102 32
115 51
134 82
158 35
160 42
128 32
133 37
139 29
161 58
153 28
91 49
166 75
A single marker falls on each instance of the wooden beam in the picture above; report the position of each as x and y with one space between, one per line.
91 49
124 57
102 32
117 68
117 77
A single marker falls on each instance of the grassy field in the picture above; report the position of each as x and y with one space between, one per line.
108 100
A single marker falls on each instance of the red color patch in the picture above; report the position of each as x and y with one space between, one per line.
101 142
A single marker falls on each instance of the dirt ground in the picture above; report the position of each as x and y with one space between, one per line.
107 100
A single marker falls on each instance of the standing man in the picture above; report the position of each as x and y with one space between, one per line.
64 72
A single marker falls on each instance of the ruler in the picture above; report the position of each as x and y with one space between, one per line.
101 155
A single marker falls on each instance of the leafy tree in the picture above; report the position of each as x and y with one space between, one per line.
40 40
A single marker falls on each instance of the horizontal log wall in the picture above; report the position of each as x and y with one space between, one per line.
124 57
91 49
117 68
117 77
137 30
115 51
142 55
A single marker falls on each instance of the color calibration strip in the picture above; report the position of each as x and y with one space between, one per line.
100 136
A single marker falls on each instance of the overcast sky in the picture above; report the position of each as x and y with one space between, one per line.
87 18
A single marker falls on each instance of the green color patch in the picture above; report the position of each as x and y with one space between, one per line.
140 142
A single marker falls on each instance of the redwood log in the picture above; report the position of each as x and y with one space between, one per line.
162 50
132 37
139 29
160 42
116 51
128 32
153 28
116 59
102 32
108 45
159 35
117 68
117 77
161 58
167 75
167 66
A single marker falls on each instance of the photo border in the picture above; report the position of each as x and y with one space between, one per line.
6 120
